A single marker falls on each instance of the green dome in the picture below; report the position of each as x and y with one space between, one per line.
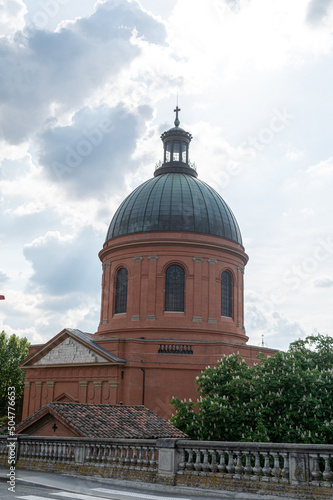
175 202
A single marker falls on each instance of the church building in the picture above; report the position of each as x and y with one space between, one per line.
172 298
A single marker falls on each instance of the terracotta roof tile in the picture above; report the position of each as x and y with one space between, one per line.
106 421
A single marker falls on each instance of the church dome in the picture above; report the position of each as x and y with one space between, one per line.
174 199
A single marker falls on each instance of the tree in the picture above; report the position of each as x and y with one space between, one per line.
283 398
13 350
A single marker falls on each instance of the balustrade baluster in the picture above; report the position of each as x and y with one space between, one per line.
213 464
221 466
134 458
327 474
276 471
197 464
146 460
266 468
140 459
127 461
205 463
257 467
285 469
231 466
122 455
315 473
60 452
55 456
115 457
238 467
182 463
153 461
189 464
247 467
87 453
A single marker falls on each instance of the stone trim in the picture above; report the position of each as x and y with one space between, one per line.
39 384
152 257
50 384
241 269
27 384
212 261
83 383
114 383
136 317
151 317
211 320
198 259
98 383
137 259
197 319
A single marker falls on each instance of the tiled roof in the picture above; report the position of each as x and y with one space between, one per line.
106 421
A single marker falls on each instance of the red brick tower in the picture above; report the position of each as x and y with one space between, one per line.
172 298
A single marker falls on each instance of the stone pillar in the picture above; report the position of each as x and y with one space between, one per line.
98 393
151 295
168 460
213 308
299 468
107 294
38 399
26 410
197 289
133 299
83 391
50 390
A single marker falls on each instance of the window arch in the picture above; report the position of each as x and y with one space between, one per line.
226 294
174 288
120 304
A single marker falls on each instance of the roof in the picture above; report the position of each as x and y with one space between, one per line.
175 201
105 421
82 337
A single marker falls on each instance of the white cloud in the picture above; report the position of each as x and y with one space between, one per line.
11 16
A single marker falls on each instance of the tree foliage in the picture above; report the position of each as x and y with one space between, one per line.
283 398
13 350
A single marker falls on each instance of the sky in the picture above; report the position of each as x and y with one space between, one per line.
87 88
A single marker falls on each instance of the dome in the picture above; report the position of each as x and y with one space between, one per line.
174 199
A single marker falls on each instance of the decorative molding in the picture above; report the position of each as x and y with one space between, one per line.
70 351
151 317
98 383
152 257
198 259
39 384
113 383
104 321
211 320
50 384
197 319
212 261
83 383
175 349
108 264
137 259
241 269
136 317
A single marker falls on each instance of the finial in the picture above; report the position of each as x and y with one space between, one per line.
177 122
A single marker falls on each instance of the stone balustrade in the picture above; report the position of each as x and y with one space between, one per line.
293 470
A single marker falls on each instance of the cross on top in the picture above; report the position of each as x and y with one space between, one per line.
177 122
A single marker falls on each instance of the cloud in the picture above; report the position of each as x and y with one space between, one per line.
44 73
91 156
3 278
11 16
318 10
64 264
323 283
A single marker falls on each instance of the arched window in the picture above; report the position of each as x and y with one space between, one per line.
226 294
120 304
174 288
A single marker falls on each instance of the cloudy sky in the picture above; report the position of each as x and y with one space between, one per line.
87 87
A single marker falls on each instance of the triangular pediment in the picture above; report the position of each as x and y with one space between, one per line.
69 347
70 351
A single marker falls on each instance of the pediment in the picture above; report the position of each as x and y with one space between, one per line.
70 351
